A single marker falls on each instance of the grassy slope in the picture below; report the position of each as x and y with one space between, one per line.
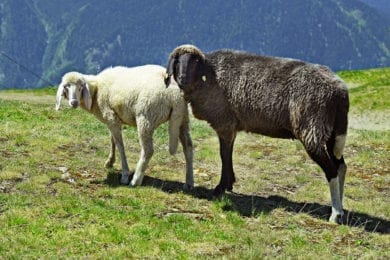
56 198
370 98
370 89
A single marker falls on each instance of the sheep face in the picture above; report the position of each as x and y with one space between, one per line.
187 69
73 94
74 91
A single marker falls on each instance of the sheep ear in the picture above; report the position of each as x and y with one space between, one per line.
87 97
170 70
60 93
167 79
202 71
171 65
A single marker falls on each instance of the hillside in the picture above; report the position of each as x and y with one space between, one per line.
383 6
45 38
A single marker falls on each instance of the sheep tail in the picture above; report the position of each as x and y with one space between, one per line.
341 124
175 122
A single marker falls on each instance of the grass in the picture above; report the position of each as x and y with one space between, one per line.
370 89
58 201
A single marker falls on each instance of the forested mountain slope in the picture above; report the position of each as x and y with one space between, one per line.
42 39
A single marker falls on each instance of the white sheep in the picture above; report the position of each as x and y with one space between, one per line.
137 97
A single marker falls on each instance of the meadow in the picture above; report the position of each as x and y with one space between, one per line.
58 201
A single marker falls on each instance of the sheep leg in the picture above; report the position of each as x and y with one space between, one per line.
337 207
342 170
116 133
175 121
227 176
322 158
338 160
111 157
185 139
145 135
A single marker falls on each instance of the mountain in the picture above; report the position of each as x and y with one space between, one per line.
382 6
42 39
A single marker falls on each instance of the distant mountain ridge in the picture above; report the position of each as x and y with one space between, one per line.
42 39
382 6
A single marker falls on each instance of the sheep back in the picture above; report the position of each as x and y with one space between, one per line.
131 92
271 96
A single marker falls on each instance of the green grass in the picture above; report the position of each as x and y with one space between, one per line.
35 92
279 209
371 89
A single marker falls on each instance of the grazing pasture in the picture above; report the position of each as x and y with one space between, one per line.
58 200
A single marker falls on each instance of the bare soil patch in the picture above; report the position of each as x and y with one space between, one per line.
23 97
370 120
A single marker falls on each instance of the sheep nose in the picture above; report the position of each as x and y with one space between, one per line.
74 103
182 79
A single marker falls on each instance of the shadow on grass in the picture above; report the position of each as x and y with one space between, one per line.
253 205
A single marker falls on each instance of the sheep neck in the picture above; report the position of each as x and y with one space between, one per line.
209 103
192 92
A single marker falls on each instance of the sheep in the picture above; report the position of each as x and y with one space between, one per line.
277 97
136 97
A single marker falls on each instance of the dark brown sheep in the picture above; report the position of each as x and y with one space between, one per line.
237 91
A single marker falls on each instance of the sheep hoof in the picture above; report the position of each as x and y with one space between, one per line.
133 184
219 191
187 187
336 218
125 179
136 182
108 164
172 150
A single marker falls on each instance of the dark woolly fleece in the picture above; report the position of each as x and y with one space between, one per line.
276 97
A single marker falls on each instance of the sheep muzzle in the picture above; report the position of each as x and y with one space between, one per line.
74 103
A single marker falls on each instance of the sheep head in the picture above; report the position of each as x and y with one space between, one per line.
74 87
187 66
